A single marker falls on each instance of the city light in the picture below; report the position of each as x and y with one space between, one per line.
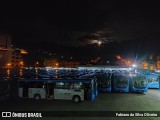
8 65
21 63
8 72
57 64
118 57
37 63
23 51
144 64
21 72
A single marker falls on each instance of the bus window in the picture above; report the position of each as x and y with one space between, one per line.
78 86
37 85
61 85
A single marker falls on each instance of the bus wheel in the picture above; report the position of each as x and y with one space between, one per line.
76 99
37 97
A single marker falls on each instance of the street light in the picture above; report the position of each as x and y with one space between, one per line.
134 65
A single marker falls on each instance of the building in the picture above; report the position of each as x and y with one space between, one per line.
5 57
16 58
60 63
51 63
5 50
144 64
5 42
10 57
149 63
69 64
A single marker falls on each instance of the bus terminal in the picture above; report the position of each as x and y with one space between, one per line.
82 89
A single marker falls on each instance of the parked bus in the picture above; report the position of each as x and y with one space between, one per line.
153 80
104 82
66 89
138 83
121 83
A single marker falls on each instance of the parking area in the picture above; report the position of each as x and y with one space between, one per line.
104 102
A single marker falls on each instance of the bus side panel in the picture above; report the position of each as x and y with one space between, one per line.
79 92
40 91
60 93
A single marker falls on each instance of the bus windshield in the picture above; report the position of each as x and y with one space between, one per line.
121 82
104 82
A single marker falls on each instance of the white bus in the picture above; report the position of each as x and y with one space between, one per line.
76 90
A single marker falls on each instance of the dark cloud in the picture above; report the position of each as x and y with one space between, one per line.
100 36
80 23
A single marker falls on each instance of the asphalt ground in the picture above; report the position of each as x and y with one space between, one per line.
119 102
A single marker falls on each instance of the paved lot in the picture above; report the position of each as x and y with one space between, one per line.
104 102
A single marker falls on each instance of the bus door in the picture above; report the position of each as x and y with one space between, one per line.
87 91
23 89
92 93
95 87
49 90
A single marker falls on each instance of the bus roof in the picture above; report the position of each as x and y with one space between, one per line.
57 80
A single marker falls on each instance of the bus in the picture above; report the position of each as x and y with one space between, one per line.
121 83
153 80
104 82
64 89
138 83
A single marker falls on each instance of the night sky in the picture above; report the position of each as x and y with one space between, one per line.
76 26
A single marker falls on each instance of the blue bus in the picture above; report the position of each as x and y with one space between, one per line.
153 80
138 83
88 75
120 83
65 89
104 82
